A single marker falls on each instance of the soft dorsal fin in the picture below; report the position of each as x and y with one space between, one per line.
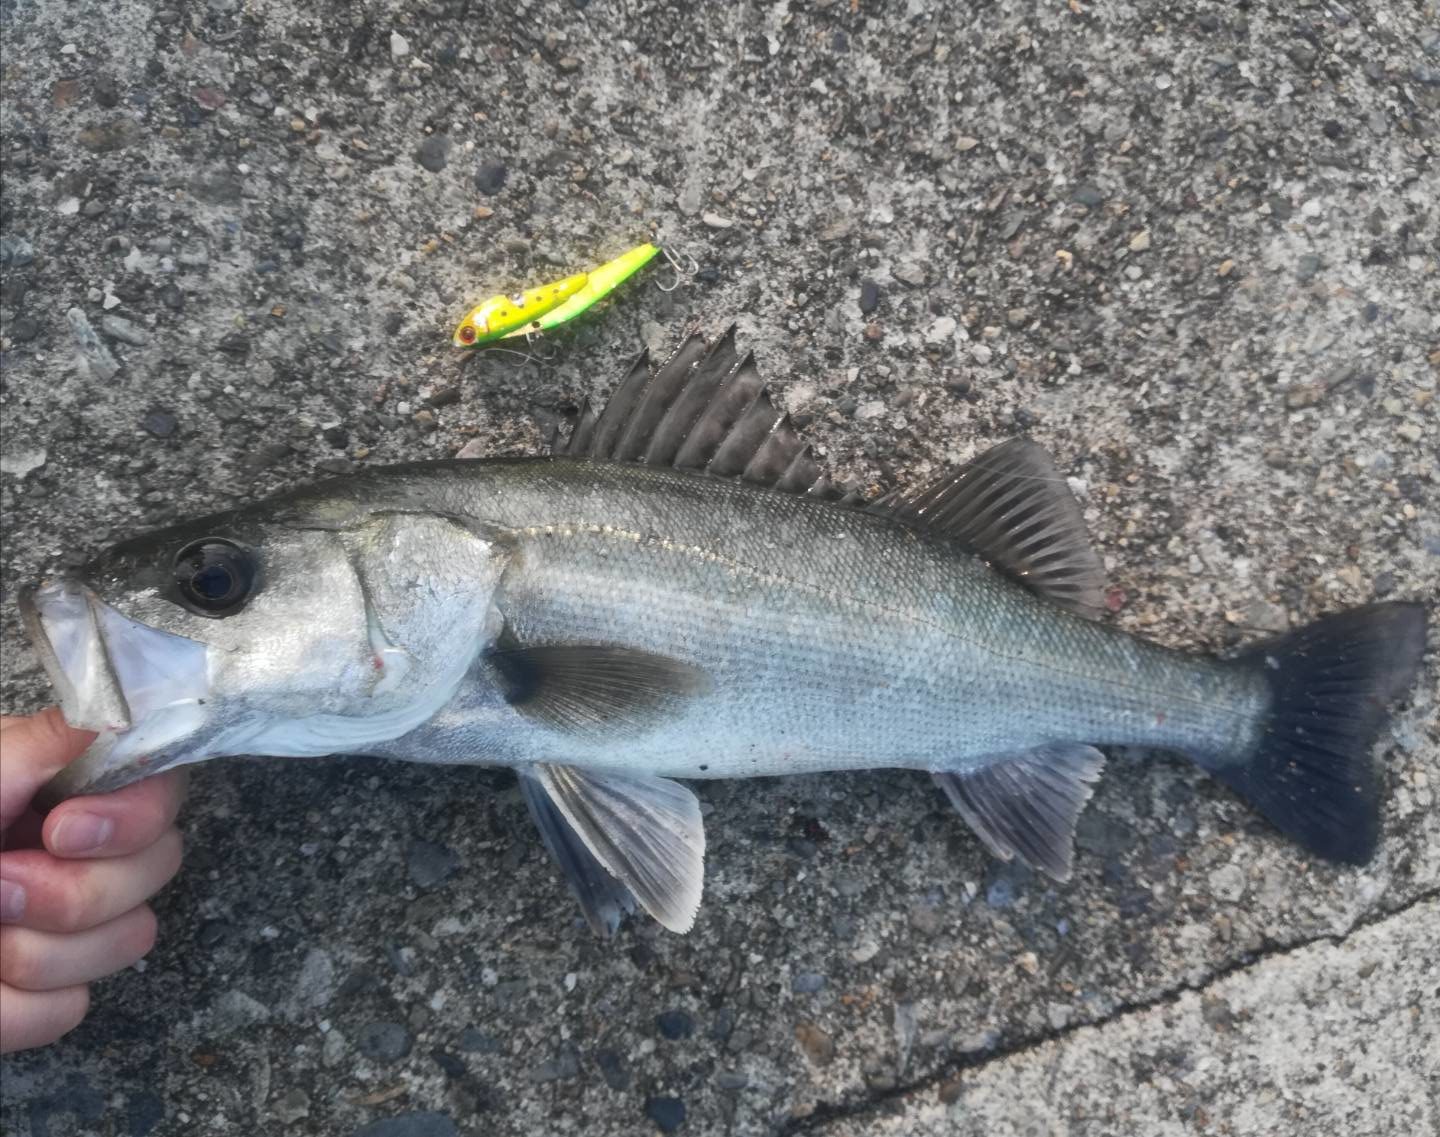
700 410
1011 506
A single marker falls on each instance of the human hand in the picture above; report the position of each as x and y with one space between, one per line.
73 884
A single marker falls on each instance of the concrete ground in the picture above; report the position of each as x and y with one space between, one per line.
1192 248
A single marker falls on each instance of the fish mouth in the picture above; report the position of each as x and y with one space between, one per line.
139 688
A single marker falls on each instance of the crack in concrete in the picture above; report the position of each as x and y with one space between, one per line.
827 1113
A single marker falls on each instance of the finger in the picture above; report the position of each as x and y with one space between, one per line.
35 748
37 1018
115 824
70 896
46 961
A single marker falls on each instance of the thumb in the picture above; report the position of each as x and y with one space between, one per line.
32 750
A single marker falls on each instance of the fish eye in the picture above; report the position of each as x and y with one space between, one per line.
215 576
467 334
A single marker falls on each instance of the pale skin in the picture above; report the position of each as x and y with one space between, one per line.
73 884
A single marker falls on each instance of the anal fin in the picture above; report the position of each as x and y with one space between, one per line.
646 832
603 899
1026 804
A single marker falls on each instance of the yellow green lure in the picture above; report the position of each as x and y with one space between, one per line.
539 309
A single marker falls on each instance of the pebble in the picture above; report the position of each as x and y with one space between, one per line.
18 463
234 1011
478 1042
732 1080
23 329
910 273
715 220
1308 266
818 1046
941 330
387 1042
425 1124
1227 883
675 1025
1140 242
434 153
807 983
430 864
1087 195
874 333
292 1107
336 436
564 1066
399 46
982 353
126 331
99 358
869 296
612 1069
490 177
15 252
667 1113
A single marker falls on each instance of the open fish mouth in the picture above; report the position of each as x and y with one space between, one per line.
140 688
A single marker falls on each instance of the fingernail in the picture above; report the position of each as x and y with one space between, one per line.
12 901
78 833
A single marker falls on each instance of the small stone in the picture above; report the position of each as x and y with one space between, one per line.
399 46
490 177
106 91
1304 395
426 1124
874 332
15 252
981 353
234 1011
478 1042
292 1107
172 297
126 331
818 1046
1410 431
910 273
675 1025
430 864
869 296
1264 616
732 1080
1087 195
965 143
1028 962
434 153
568 64
807 983
1140 242
446 396
715 220
941 330
612 1069
336 436
386 1042
1308 266
18 463
23 329
99 358
564 1066
1227 883
667 1113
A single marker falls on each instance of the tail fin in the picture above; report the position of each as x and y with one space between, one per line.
1330 682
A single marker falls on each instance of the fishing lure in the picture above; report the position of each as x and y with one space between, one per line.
549 305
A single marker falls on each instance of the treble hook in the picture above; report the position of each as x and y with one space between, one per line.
681 270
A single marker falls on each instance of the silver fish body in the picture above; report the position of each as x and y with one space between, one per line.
679 593
831 638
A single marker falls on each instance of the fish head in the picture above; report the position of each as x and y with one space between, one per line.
261 632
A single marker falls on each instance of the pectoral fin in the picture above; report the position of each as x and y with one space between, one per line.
1027 804
594 688
603 899
645 832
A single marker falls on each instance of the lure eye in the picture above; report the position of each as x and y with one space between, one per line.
215 576
467 334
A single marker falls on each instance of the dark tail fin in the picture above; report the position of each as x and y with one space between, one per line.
1312 774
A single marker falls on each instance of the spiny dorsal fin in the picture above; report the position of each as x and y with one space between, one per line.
700 410
1011 506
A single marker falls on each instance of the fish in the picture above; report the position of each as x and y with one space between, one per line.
678 591
548 306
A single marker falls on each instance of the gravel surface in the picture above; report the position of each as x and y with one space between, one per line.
1193 250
